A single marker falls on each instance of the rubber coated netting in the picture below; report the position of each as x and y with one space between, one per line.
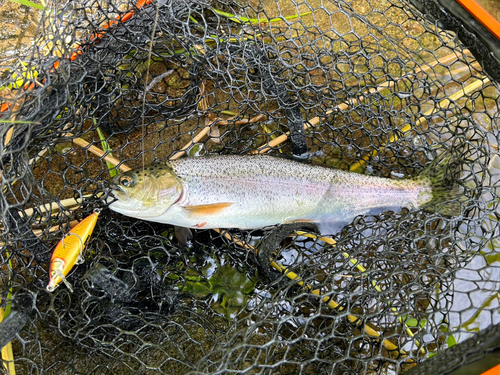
377 88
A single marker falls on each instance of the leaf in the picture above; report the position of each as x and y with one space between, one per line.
29 4
492 258
197 289
229 281
412 322
21 76
451 341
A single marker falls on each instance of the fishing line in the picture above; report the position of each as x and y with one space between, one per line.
146 78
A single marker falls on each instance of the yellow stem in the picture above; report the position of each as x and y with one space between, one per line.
362 269
7 353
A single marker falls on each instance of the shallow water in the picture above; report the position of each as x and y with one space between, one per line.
475 300
18 29
491 6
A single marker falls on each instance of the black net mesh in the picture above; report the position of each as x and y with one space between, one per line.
378 90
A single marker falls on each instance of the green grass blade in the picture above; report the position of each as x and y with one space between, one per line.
287 17
29 4
241 19
232 17
451 341
105 148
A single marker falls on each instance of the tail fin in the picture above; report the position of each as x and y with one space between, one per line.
441 175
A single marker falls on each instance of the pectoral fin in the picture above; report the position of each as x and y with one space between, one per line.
206 209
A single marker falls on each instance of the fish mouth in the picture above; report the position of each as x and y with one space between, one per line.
118 200
115 193
120 194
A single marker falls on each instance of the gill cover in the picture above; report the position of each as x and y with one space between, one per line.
146 192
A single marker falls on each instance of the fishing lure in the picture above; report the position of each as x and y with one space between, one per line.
68 251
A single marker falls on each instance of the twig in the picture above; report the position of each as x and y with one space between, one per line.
97 151
155 80
203 104
206 130
52 206
282 138
260 117
55 228
196 139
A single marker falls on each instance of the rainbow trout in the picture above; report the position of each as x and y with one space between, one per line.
250 192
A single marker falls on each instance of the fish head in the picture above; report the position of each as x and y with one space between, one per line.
146 193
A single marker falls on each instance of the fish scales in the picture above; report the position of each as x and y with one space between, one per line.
274 190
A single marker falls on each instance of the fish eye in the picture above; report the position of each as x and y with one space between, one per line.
127 181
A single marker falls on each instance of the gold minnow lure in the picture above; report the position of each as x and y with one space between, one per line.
68 251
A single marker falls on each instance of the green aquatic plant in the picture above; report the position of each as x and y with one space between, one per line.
253 21
105 147
28 4
230 288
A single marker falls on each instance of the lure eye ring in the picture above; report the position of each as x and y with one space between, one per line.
126 181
